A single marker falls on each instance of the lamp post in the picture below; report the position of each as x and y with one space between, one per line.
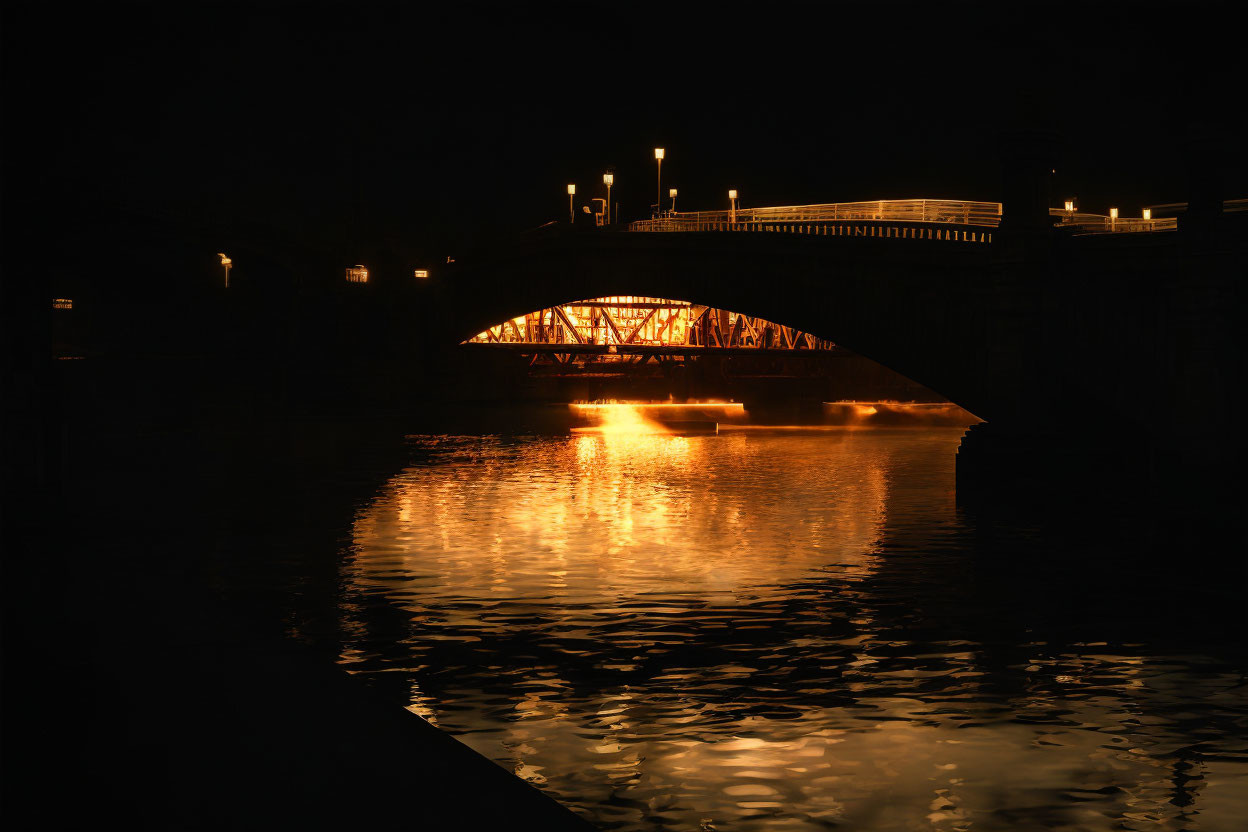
658 199
1070 210
226 262
608 179
1113 218
672 193
571 193
732 205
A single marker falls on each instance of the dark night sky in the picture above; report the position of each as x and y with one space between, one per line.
402 133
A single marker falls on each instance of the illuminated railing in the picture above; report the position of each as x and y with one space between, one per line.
1084 223
818 219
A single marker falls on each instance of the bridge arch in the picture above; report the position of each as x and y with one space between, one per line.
903 306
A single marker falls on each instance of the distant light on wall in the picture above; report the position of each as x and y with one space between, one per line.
62 303
732 194
1113 213
658 153
422 273
1148 213
357 274
571 190
608 179
671 192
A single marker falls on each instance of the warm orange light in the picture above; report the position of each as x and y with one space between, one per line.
1113 213
1148 213
422 273
671 192
621 420
225 261
608 179
1070 205
658 153
62 303
732 194
357 274
571 190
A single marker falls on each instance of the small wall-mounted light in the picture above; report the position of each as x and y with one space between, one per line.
421 273
1148 213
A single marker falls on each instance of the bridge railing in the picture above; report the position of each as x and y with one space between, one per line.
1084 223
838 228
951 211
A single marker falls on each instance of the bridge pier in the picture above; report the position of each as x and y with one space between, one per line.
1000 462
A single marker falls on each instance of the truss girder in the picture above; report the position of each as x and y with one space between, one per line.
631 322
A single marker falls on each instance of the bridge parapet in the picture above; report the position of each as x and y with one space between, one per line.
845 228
909 211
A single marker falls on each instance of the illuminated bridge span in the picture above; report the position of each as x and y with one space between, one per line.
629 330
920 219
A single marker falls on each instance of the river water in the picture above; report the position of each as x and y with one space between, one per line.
788 630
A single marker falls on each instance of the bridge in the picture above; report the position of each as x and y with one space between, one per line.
1025 317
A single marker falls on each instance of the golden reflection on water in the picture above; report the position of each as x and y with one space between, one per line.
683 630
617 514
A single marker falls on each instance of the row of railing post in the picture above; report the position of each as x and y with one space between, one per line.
834 229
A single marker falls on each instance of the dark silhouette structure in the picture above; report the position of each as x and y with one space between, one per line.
1134 332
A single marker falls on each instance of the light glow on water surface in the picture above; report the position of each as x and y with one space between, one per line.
737 632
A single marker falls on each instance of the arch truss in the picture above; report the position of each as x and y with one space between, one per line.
637 330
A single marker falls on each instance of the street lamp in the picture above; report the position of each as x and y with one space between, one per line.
227 262
732 202
658 199
571 193
1113 217
608 179
1148 213
672 193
